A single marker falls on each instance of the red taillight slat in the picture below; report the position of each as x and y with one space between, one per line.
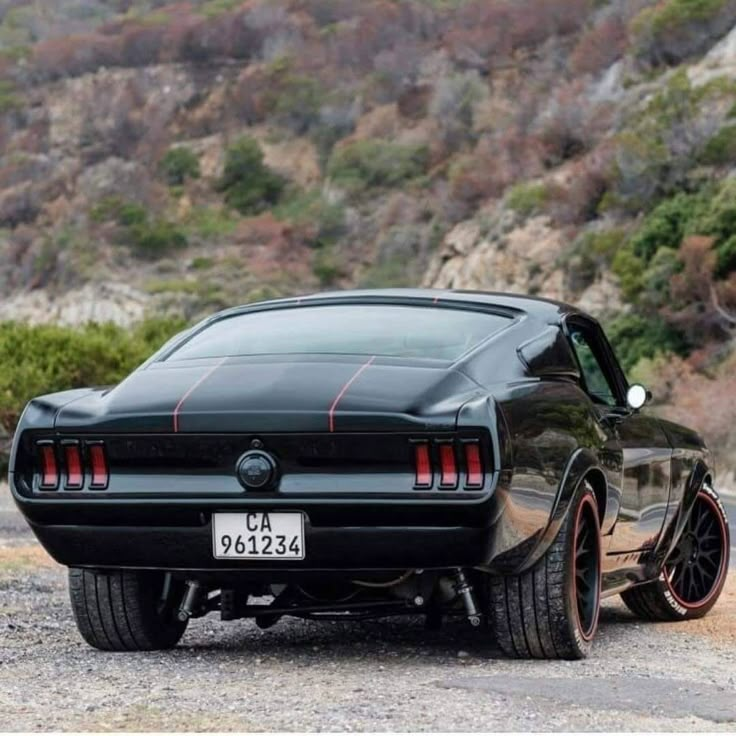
100 473
49 466
74 471
423 465
474 477
448 466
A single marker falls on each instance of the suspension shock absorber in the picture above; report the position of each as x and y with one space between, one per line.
192 601
465 590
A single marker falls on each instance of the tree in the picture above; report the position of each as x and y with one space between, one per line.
179 164
248 184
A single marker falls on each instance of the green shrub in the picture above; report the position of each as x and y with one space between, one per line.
131 214
311 210
213 8
640 172
149 237
202 263
634 337
657 277
14 52
154 238
295 102
717 216
646 263
57 358
717 219
726 257
121 211
179 164
629 269
527 199
387 274
666 225
673 30
248 184
9 97
673 13
326 266
211 222
661 143
372 164
590 255
720 150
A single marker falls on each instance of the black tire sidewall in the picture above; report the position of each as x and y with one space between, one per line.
119 610
584 500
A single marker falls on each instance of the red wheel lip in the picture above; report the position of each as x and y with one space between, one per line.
722 569
590 633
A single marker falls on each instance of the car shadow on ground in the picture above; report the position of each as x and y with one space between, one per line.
396 636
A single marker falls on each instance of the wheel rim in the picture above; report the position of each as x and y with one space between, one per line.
587 569
695 568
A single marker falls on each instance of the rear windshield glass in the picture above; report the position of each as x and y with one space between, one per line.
418 332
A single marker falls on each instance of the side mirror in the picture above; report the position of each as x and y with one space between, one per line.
637 396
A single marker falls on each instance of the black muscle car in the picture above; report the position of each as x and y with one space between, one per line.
363 454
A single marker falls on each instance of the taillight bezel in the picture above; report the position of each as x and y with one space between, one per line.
70 448
98 480
47 450
423 478
473 483
448 465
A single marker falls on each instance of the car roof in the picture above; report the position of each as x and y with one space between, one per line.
546 310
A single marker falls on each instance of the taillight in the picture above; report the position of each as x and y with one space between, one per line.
74 469
423 465
474 477
76 461
448 466
49 466
98 463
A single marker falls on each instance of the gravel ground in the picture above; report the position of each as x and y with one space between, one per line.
387 676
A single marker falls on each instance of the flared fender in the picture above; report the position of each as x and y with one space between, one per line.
582 462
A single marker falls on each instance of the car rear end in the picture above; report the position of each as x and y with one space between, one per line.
254 503
341 457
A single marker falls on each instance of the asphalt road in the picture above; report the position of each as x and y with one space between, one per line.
390 675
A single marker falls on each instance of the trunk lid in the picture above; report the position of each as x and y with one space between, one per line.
277 394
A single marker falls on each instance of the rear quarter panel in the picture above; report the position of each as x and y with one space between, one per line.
547 422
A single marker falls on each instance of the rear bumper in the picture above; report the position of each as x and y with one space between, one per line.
327 548
340 534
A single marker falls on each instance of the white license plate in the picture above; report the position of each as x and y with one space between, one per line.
258 536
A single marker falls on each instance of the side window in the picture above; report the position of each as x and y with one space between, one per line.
597 382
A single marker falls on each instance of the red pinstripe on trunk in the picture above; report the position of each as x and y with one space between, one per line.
192 389
344 390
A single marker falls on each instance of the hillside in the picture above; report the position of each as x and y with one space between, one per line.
169 159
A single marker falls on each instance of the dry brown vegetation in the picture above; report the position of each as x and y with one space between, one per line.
387 124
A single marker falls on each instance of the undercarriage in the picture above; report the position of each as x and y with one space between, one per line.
434 594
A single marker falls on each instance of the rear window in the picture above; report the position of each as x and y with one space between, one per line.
397 331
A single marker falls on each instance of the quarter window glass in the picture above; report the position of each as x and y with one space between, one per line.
596 382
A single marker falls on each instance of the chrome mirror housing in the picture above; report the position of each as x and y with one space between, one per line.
636 396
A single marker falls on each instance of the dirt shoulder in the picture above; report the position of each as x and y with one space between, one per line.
391 675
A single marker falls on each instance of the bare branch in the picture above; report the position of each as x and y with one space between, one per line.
730 318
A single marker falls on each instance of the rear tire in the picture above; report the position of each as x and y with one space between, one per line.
125 611
694 575
551 611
